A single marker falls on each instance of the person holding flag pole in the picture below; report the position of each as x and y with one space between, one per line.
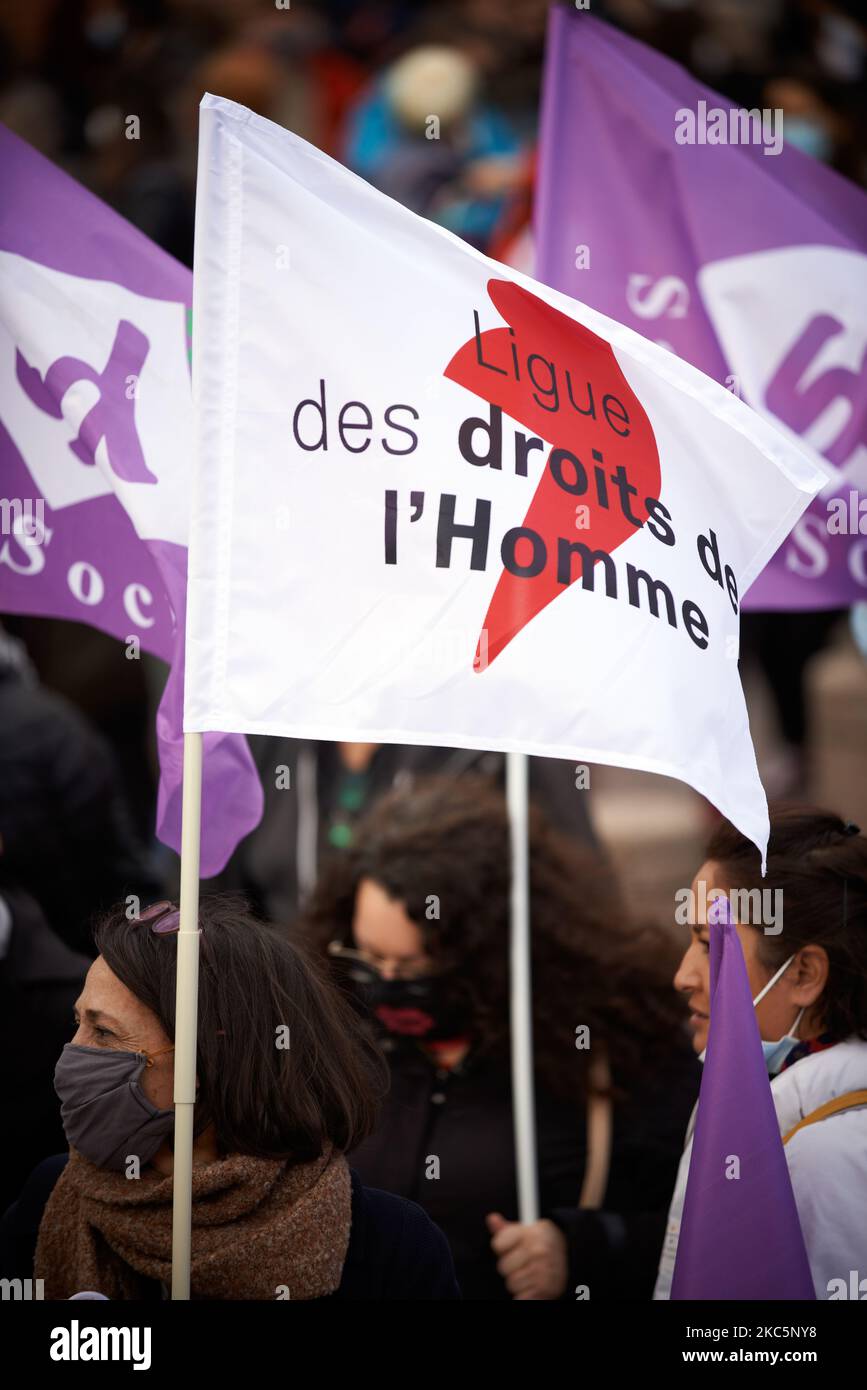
414 920
187 1002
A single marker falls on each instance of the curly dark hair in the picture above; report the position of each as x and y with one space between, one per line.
261 1099
590 965
819 862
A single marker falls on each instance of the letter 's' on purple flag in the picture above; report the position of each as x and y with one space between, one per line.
739 1235
95 454
751 265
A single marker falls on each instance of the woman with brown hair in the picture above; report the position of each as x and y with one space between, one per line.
415 916
287 1081
807 968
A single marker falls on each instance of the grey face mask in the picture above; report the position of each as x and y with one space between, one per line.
106 1114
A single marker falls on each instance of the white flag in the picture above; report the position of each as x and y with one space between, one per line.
440 503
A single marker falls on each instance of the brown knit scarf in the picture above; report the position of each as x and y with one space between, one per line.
258 1224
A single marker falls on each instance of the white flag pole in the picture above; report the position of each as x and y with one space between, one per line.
186 1017
523 1097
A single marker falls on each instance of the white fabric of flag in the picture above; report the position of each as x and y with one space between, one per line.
439 503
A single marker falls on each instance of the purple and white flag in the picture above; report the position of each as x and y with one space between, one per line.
95 453
747 259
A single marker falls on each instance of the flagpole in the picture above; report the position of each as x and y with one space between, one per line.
186 1017
521 1010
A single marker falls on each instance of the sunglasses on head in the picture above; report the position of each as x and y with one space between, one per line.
163 917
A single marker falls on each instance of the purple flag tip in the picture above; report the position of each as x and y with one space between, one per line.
719 912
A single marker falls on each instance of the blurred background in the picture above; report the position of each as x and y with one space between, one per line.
357 78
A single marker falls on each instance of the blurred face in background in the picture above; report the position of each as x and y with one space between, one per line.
386 936
808 123
410 996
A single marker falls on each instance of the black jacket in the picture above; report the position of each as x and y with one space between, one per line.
445 1140
66 830
395 1251
40 980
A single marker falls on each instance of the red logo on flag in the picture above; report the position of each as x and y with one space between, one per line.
564 384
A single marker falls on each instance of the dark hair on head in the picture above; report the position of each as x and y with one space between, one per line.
263 1100
590 965
819 861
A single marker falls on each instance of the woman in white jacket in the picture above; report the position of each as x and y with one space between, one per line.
807 967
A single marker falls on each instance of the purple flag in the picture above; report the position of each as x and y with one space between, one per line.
749 263
95 454
739 1235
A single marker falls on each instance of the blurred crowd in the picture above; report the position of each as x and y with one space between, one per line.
362 78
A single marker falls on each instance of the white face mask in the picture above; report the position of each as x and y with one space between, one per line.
775 1053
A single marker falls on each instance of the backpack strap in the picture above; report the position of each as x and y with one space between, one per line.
851 1100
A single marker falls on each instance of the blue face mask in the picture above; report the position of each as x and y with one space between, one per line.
807 136
775 1053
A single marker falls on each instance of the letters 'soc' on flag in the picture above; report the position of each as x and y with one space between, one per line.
437 502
